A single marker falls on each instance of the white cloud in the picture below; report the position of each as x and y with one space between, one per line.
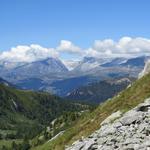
126 46
104 45
92 52
134 46
68 47
27 53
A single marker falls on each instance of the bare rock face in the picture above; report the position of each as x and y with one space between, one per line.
146 69
130 131
112 117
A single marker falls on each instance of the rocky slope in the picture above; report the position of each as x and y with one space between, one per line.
129 131
146 69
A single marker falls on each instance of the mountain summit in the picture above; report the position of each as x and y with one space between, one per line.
33 69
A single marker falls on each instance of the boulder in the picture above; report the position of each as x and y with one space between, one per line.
129 131
131 117
111 118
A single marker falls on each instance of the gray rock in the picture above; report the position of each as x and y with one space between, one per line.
77 146
130 132
111 118
131 117
117 124
89 144
131 141
101 141
108 130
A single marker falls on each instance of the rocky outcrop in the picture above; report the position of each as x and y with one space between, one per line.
129 132
146 69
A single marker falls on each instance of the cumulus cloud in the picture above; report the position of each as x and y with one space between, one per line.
126 46
28 53
68 47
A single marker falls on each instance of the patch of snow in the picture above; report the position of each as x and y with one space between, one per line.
146 69
81 93
88 66
15 104
90 92
60 133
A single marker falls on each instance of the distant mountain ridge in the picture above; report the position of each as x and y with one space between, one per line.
99 91
89 63
4 82
50 73
138 61
129 62
114 62
63 87
49 65
34 69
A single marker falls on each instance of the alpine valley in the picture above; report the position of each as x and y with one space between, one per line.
46 106
74 75
38 120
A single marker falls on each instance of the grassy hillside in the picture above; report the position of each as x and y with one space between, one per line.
129 98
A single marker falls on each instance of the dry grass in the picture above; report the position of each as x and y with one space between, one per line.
129 98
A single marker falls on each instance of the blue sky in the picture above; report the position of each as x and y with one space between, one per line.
47 22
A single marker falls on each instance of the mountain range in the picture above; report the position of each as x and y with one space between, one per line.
52 75
34 69
2 81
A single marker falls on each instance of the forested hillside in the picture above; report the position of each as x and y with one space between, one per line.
24 114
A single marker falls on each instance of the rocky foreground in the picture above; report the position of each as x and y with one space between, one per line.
129 131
